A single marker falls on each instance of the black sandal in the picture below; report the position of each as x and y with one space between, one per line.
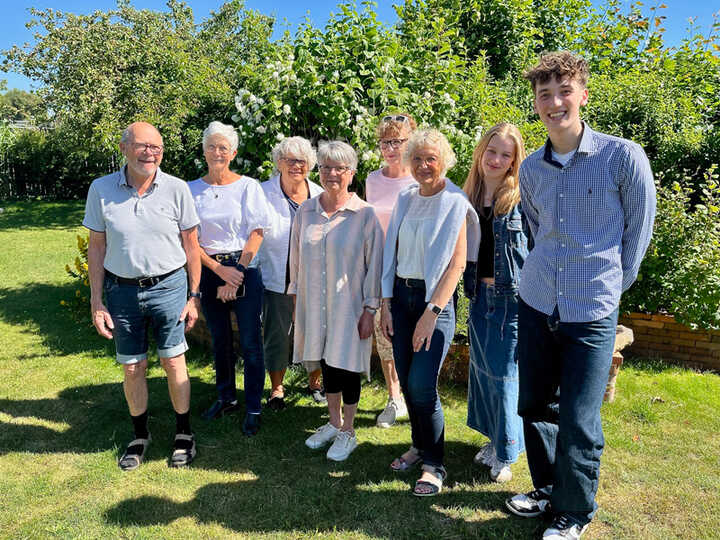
439 472
183 450
134 454
400 464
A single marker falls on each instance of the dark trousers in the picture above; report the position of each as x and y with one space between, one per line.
563 373
418 371
247 312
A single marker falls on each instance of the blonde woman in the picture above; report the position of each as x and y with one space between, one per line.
492 287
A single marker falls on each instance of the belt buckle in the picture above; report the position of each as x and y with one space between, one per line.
407 283
146 282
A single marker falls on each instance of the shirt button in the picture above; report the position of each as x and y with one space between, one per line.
562 219
562 195
560 269
562 245
497 254
560 293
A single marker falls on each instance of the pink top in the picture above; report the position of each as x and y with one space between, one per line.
382 192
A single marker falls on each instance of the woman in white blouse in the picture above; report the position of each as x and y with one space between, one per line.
294 158
430 230
233 216
335 265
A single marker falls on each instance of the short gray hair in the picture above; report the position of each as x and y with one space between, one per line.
338 151
224 130
434 139
298 147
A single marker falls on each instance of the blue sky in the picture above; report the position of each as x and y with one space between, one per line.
15 15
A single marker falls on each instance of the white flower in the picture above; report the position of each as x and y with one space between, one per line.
279 136
260 101
275 75
260 169
336 74
286 108
366 156
252 98
261 129
235 118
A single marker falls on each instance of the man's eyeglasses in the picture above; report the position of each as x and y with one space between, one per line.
391 143
328 170
154 149
395 118
292 162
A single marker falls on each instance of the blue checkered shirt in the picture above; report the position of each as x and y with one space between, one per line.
591 222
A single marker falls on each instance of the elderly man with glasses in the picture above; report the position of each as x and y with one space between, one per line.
143 234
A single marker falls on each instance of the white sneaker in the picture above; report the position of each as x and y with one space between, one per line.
531 504
485 454
563 529
322 436
500 471
342 447
394 410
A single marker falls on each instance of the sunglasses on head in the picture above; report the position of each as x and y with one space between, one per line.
396 118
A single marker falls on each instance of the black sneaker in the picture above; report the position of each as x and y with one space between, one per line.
220 408
318 395
564 528
530 504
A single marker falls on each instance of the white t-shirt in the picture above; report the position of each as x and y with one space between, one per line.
382 192
563 159
414 234
229 213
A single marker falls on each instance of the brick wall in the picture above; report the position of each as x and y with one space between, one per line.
661 335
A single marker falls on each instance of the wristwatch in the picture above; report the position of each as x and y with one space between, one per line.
435 309
371 310
241 268
195 294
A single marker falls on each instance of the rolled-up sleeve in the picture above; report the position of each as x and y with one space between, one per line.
638 197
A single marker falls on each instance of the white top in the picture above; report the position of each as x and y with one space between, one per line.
335 267
415 231
229 213
142 233
563 159
382 192
453 210
273 255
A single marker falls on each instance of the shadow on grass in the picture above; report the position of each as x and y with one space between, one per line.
289 487
45 215
37 307
651 366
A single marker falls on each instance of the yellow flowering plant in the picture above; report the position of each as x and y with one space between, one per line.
79 272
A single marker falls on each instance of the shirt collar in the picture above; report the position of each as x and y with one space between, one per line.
354 203
122 179
588 144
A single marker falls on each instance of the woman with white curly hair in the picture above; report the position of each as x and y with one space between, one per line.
294 158
432 230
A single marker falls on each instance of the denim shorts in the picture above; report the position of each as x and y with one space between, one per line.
134 308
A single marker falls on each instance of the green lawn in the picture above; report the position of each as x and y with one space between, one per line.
63 422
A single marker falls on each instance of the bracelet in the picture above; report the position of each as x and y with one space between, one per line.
241 268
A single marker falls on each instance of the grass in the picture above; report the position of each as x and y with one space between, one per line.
63 423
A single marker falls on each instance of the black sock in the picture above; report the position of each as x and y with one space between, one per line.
140 425
182 421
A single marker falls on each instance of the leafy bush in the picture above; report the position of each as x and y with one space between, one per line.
681 271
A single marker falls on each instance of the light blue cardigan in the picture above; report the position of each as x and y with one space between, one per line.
454 210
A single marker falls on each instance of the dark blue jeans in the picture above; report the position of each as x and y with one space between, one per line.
247 312
564 369
418 371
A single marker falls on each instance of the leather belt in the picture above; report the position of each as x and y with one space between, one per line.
143 281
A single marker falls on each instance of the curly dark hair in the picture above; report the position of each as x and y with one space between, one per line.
558 64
